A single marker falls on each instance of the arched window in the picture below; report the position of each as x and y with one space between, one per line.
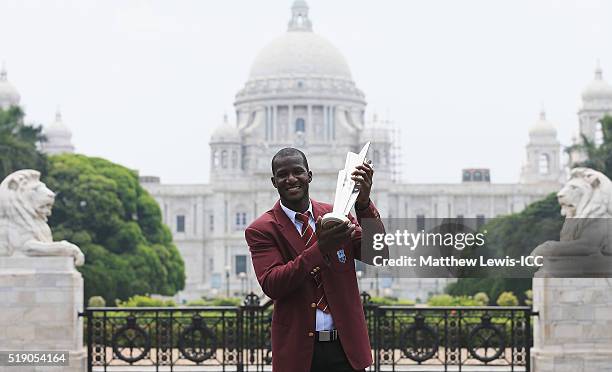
216 160
300 125
224 159
544 164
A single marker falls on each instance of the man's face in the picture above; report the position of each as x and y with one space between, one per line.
291 178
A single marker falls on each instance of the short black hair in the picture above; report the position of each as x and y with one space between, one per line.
288 151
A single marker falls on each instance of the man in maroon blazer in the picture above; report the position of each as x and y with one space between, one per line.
318 322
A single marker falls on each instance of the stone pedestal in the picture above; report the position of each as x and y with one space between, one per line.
573 332
595 266
40 298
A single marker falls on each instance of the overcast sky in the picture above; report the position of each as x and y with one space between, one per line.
144 83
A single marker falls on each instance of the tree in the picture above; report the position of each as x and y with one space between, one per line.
18 143
101 207
599 157
514 235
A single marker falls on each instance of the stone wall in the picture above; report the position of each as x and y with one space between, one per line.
573 332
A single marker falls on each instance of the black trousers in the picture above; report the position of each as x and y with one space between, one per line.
330 357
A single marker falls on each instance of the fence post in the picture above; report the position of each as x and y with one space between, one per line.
241 338
89 317
529 335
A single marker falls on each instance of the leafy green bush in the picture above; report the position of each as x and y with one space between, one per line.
441 300
529 297
482 298
145 301
219 301
390 301
101 207
226 301
447 300
507 299
96 301
198 302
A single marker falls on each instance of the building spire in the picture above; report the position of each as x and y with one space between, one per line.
598 72
299 17
58 114
542 112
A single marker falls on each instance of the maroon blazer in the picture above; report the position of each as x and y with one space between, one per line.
284 270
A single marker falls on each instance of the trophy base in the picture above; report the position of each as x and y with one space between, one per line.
331 219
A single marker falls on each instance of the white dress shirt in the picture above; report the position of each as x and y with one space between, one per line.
325 322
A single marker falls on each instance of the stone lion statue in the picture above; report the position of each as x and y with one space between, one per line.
586 203
25 205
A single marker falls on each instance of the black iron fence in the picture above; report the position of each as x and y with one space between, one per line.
237 338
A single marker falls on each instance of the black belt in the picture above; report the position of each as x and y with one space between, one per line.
327 336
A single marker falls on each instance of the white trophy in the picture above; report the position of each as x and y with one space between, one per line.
346 190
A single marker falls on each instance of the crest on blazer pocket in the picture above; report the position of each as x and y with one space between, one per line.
341 255
343 260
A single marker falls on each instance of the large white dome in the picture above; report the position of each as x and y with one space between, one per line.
543 127
225 133
59 137
57 129
300 54
598 88
299 64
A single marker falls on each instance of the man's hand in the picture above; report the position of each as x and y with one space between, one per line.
330 239
363 175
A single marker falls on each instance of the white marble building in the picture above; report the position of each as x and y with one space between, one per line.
301 93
